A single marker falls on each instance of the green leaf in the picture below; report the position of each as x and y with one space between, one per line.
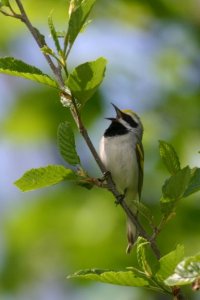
169 262
42 177
142 256
125 278
194 184
15 67
186 272
86 78
54 33
78 17
73 5
175 187
144 211
167 206
47 50
66 143
146 258
169 157
4 3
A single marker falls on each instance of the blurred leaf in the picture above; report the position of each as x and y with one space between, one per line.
132 277
54 33
175 187
144 211
147 259
15 67
4 3
169 262
78 16
86 78
167 205
186 272
169 157
67 145
194 184
73 5
142 256
46 50
42 177
127 278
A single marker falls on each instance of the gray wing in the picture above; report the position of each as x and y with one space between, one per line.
140 159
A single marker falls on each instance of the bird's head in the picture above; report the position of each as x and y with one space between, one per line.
128 119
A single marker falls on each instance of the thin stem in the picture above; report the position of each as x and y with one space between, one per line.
40 42
6 13
11 9
177 293
162 223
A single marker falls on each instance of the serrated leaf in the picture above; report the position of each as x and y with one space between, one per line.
42 177
142 256
169 157
175 187
125 278
194 184
186 272
86 78
169 262
15 67
54 33
78 17
66 143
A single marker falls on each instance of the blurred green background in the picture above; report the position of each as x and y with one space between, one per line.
153 50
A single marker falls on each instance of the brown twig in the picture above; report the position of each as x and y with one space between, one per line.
176 292
41 43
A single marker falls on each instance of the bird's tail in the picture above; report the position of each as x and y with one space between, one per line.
132 233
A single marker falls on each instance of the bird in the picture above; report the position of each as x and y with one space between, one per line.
121 152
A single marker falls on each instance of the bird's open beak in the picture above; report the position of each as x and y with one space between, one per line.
111 119
118 111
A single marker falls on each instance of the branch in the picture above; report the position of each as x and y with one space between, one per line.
40 42
176 292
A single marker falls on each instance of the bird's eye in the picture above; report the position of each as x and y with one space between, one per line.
130 121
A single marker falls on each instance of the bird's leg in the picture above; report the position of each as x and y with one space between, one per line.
120 198
104 178
102 182
106 175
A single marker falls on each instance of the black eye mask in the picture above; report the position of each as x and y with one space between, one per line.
129 120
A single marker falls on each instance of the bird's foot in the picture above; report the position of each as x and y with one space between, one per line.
119 199
104 177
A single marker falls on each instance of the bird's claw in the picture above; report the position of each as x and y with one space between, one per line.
119 199
105 176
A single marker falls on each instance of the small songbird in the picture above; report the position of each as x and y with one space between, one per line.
122 154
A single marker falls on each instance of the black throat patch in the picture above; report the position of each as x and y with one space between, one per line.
115 128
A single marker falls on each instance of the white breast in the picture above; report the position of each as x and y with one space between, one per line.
119 157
